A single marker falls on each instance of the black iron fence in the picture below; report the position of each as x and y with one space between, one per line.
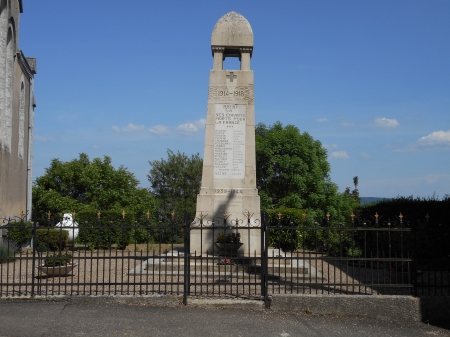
251 258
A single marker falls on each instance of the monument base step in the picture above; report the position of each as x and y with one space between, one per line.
172 263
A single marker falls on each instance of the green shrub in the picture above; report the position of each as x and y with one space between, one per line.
7 252
288 239
58 259
111 228
19 232
114 229
51 239
306 232
413 209
228 238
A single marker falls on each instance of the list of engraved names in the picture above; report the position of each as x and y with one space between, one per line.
229 141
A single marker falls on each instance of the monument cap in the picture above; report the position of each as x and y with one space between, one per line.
232 32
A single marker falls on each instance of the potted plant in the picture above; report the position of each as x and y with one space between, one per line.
58 264
228 244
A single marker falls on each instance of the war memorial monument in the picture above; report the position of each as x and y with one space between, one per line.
228 192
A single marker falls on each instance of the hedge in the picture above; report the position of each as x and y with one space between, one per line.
306 233
112 228
50 239
19 232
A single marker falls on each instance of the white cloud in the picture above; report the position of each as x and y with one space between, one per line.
435 141
339 155
436 138
322 120
329 147
39 138
159 129
386 123
191 127
129 128
364 155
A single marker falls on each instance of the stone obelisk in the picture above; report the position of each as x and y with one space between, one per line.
229 168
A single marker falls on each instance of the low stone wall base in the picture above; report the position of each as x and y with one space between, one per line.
395 308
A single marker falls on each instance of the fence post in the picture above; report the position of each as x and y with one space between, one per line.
33 262
264 257
415 257
187 262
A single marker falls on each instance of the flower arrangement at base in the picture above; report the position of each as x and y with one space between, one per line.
228 238
223 262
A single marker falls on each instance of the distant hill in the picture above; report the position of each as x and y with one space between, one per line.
369 200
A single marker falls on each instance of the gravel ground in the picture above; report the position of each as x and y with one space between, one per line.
107 273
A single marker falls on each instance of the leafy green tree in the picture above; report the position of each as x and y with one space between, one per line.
175 182
292 171
84 185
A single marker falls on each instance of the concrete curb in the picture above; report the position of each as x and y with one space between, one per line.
396 308
144 300
392 308
227 304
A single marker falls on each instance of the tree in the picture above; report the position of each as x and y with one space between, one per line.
83 185
175 182
355 192
292 171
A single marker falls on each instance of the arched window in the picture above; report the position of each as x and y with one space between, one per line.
21 118
3 35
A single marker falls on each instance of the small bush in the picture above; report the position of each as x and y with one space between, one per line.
228 238
51 240
292 238
19 232
110 229
7 252
58 259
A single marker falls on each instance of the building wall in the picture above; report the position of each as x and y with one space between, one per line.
16 116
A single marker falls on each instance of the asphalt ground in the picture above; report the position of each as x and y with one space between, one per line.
30 318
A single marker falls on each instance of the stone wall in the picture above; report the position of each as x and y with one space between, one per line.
16 116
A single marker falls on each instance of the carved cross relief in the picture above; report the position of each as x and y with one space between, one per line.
231 76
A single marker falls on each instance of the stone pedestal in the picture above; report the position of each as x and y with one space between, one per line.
229 168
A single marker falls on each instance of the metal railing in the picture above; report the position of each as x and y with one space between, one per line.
127 257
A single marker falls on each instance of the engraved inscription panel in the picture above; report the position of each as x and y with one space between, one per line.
229 141
222 93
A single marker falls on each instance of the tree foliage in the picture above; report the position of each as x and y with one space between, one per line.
84 185
176 181
292 171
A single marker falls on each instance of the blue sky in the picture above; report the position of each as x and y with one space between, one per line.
129 79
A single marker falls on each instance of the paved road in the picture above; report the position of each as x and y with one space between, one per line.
27 318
